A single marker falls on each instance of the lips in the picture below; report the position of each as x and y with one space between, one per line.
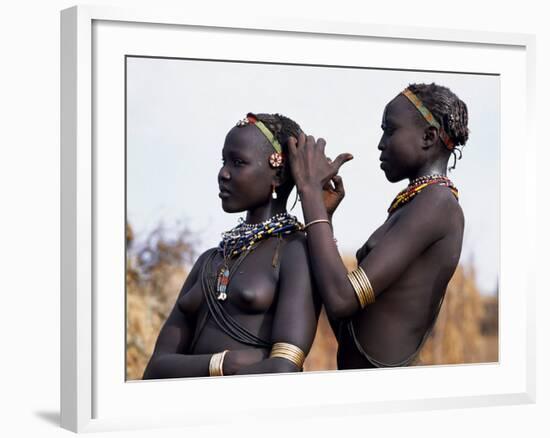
224 193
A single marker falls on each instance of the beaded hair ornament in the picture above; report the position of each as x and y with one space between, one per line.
429 117
276 158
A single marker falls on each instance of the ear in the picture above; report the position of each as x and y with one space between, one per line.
431 137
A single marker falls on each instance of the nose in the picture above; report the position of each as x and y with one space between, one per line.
381 144
223 174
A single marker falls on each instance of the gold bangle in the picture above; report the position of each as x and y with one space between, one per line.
368 286
358 289
362 287
215 367
289 352
318 221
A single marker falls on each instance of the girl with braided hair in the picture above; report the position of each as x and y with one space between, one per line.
383 311
248 305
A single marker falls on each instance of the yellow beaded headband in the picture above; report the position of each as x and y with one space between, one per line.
429 117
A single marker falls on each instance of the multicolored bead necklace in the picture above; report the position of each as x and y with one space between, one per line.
416 186
241 239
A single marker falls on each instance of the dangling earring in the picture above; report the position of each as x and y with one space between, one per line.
273 192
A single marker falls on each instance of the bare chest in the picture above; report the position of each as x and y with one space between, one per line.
375 238
251 287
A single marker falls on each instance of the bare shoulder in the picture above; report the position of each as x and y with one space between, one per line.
295 272
296 243
197 266
195 271
201 259
436 211
436 202
298 239
294 251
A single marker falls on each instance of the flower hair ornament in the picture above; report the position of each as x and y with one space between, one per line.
276 158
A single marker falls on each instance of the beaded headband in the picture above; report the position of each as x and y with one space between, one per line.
250 119
429 117
276 158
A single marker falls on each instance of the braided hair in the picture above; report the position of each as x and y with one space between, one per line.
282 128
448 109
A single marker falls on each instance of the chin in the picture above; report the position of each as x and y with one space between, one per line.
228 208
393 178
231 208
388 175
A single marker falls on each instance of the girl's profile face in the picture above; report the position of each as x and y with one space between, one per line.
245 179
402 140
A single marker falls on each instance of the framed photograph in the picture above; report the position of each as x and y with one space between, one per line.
147 100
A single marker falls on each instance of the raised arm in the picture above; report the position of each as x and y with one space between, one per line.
399 247
297 310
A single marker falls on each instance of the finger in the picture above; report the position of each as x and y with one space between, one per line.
301 139
338 184
329 159
341 159
329 186
321 143
292 146
310 141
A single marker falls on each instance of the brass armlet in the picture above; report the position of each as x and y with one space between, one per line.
289 352
362 287
215 367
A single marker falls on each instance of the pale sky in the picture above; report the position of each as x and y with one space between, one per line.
179 112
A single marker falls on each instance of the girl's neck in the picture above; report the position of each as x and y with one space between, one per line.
263 213
438 168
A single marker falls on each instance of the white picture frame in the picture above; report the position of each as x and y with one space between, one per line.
94 394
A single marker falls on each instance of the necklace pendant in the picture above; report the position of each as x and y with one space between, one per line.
223 280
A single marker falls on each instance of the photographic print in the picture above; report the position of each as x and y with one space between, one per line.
211 203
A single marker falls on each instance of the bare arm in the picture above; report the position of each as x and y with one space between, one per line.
400 246
297 311
168 359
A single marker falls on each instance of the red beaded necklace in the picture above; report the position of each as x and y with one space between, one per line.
416 186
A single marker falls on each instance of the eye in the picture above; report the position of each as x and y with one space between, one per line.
238 162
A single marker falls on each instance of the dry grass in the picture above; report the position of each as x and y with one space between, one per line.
154 276
466 330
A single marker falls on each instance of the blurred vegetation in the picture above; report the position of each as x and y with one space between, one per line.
466 330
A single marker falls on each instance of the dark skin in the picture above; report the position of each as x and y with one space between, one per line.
409 259
276 304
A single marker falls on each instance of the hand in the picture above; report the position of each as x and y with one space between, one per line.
309 164
236 359
333 193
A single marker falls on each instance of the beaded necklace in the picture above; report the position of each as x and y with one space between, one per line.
240 240
416 186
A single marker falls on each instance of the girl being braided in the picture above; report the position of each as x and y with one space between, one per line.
247 305
384 310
